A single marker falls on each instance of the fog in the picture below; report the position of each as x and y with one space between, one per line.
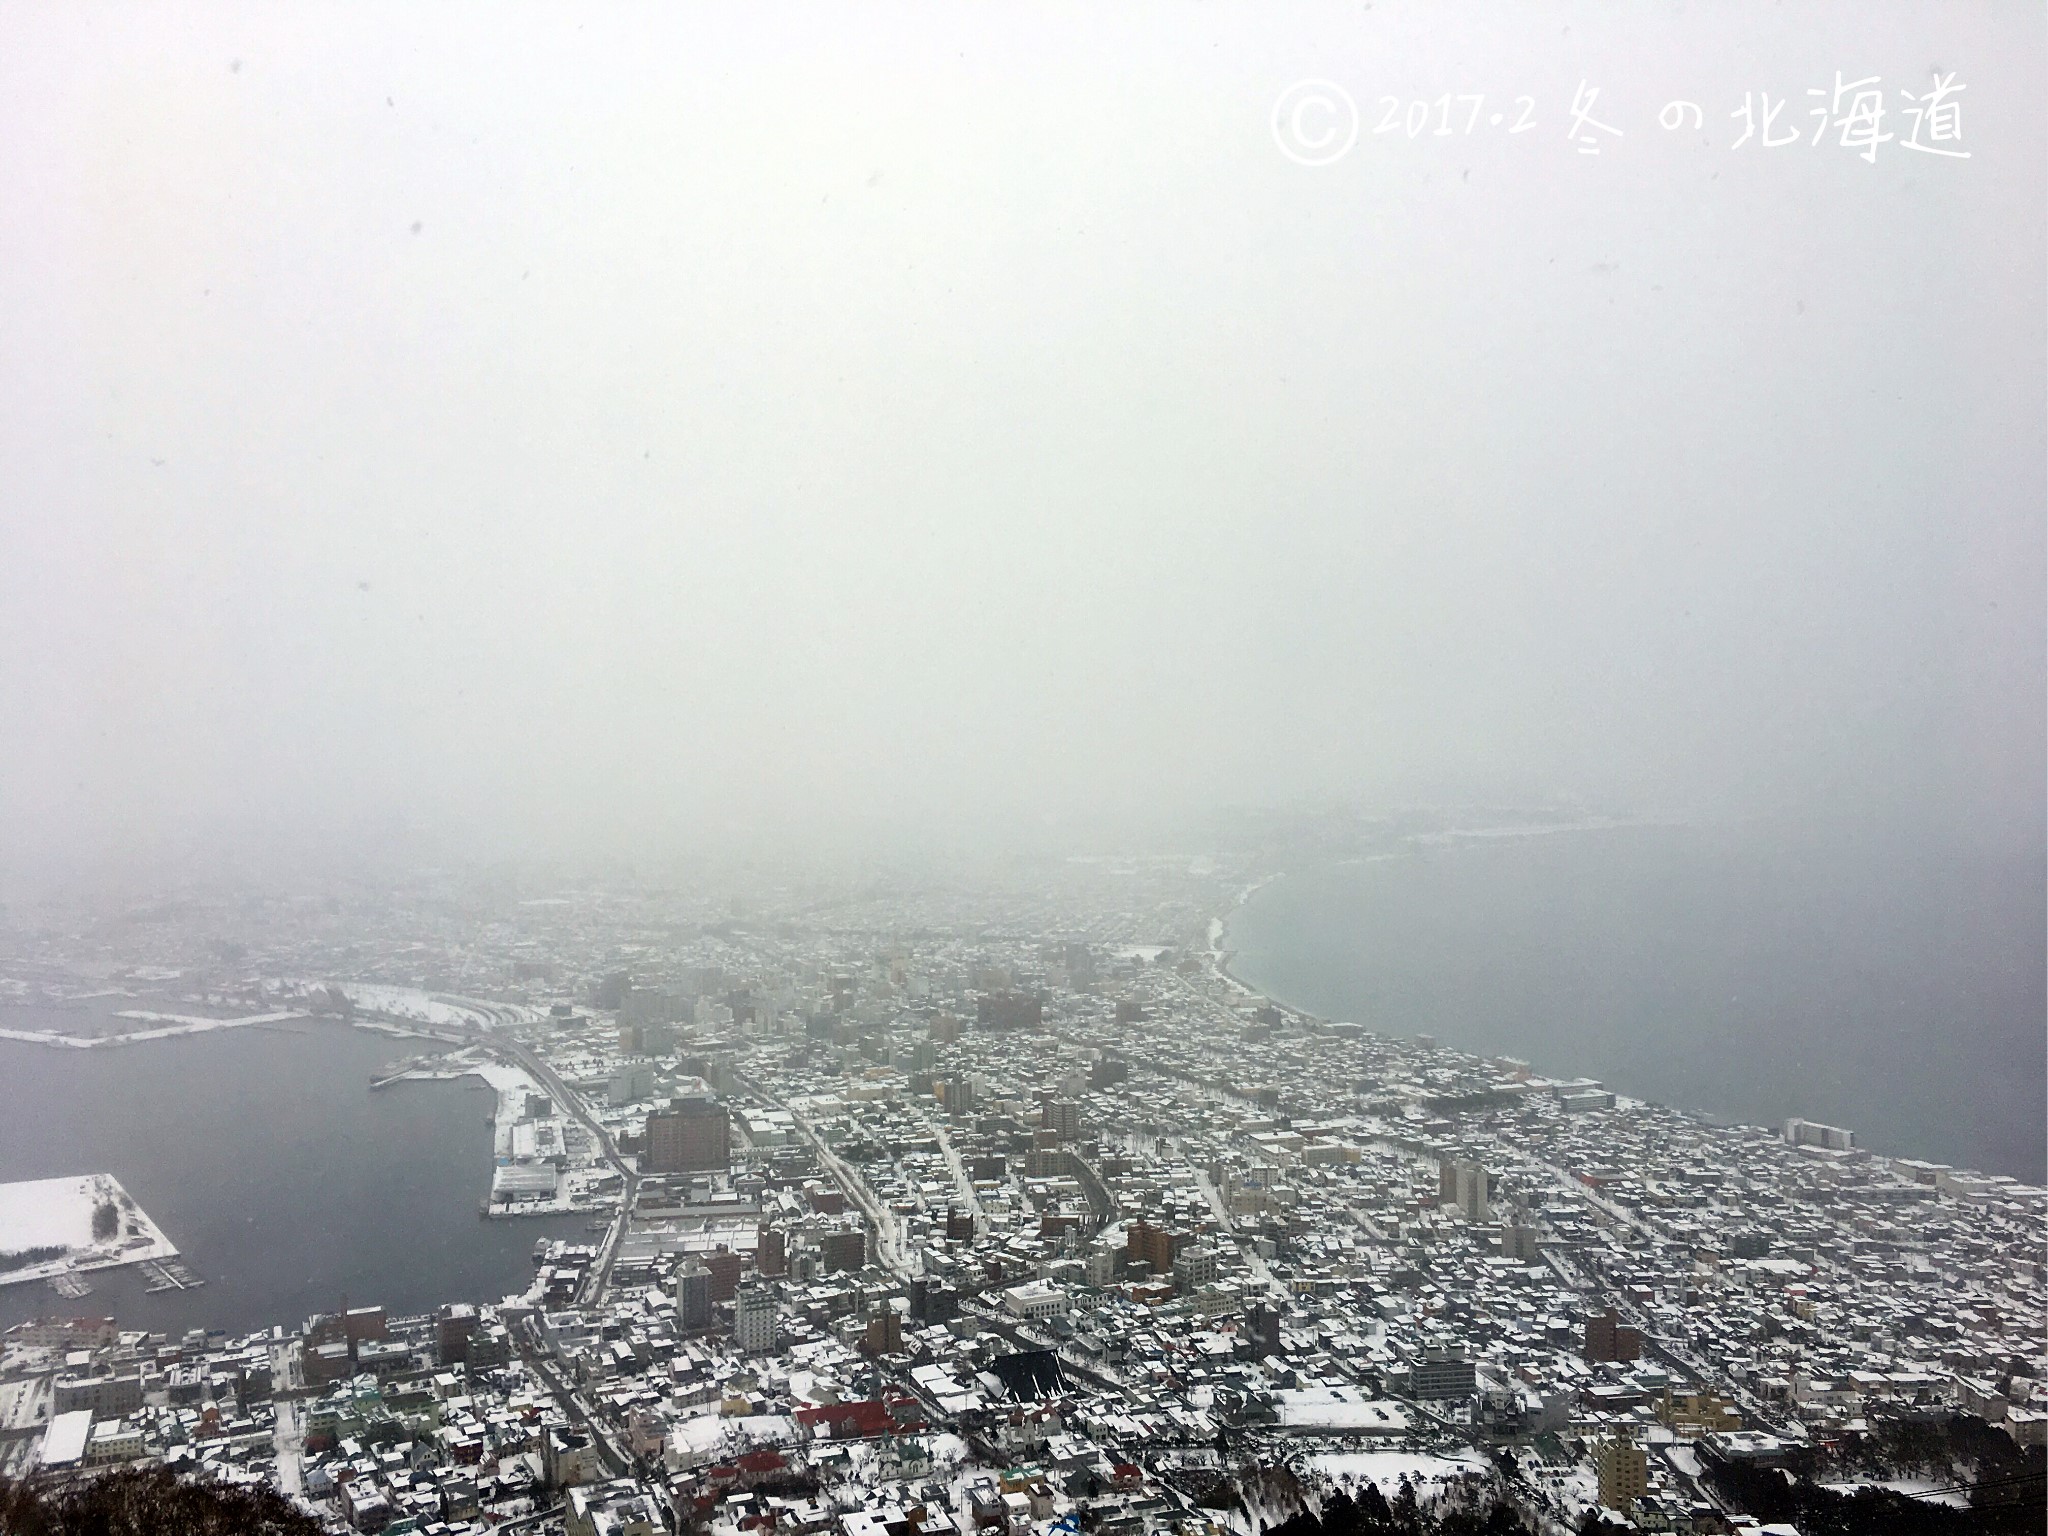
550 429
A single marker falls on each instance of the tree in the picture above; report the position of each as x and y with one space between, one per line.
106 1221
148 1502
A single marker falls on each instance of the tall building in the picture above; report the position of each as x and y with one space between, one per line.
885 1332
753 1319
845 1249
770 1251
452 1330
957 1094
1147 1244
693 1297
1609 1338
1443 1373
1262 1328
1062 1117
1463 1183
690 1136
1518 1239
1194 1267
724 1269
1624 1472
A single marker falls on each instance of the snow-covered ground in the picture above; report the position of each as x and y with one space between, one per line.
167 1025
1914 1487
434 1007
1385 1469
1342 1408
57 1213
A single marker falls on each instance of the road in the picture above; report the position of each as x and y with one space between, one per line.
960 1180
291 1445
891 1250
599 1275
1252 1257
534 1350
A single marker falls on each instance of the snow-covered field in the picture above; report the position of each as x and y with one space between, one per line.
57 1213
1341 1408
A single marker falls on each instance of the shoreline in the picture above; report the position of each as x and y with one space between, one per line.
1222 957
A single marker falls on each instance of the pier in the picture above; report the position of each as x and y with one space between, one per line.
168 1275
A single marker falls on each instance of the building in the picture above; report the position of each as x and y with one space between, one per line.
1062 1117
1609 1338
1624 1473
690 1136
1463 1183
957 1095
65 1441
770 1252
630 1084
1147 1244
452 1332
884 1333
1440 1373
1811 1133
621 1508
845 1249
1262 1329
1518 1240
568 1457
693 1297
1034 1300
107 1396
753 1319
1194 1267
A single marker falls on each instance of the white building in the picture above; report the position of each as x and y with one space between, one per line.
65 1440
1811 1133
753 1319
1035 1299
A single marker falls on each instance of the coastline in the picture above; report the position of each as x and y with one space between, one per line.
1223 957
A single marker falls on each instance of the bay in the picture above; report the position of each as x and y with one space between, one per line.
286 1182
1863 980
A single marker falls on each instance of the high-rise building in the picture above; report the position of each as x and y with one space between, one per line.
1463 1183
690 1136
753 1319
957 1094
1194 1267
452 1330
1609 1338
1062 1117
724 1269
1518 1239
770 1251
693 1297
844 1249
1624 1473
885 1332
1147 1244
1262 1328
1443 1373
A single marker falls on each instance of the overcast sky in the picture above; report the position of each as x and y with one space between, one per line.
600 426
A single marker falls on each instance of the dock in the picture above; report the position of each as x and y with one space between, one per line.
168 1275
